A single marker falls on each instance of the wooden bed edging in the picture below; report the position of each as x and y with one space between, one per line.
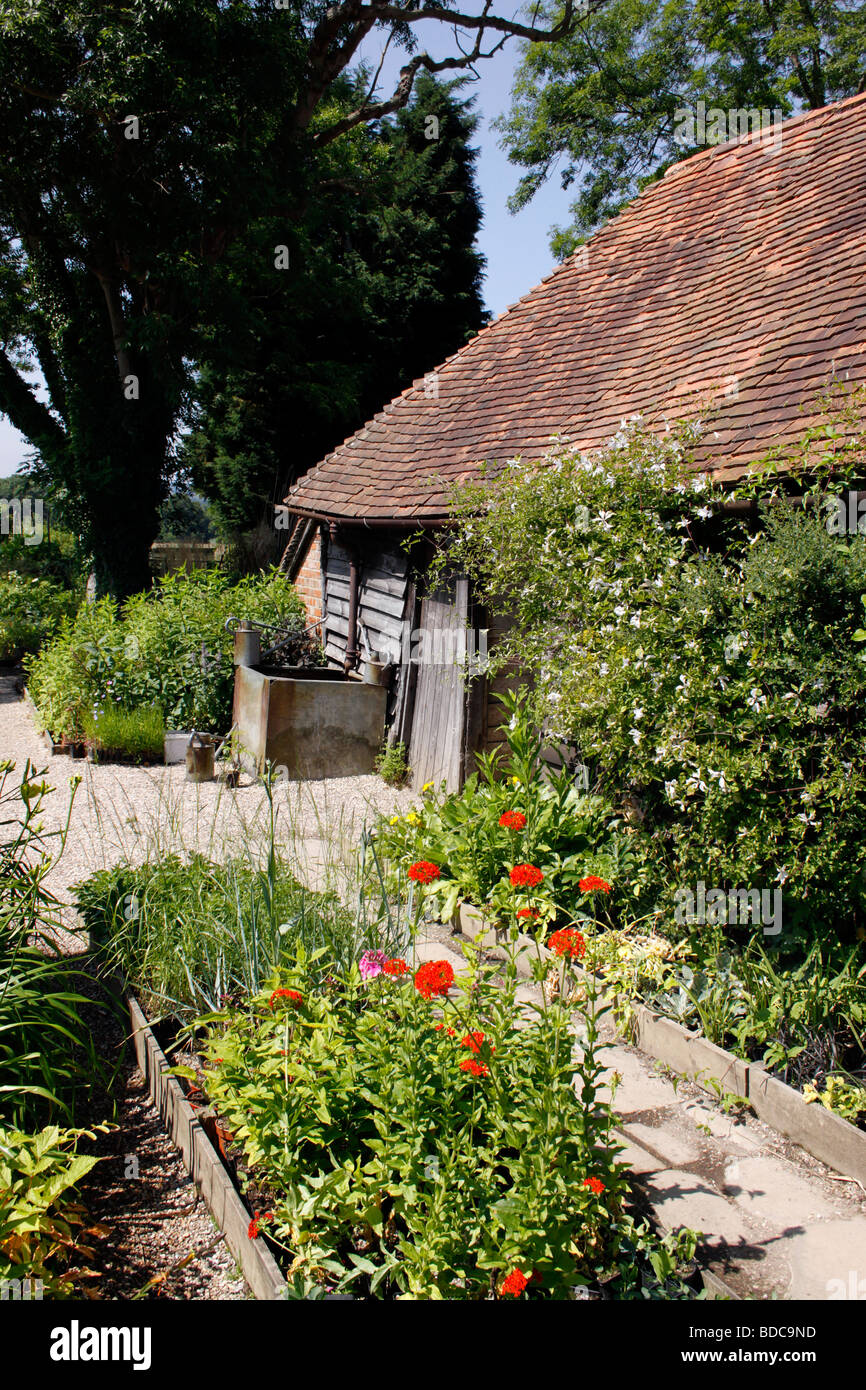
203 1164
828 1137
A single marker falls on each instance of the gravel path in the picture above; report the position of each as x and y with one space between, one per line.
157 1228
123 812
159 1240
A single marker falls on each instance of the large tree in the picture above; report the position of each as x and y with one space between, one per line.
601 107
139 142
381 283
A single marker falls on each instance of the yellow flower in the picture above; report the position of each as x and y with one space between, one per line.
412 819
515 781
395 820
427 787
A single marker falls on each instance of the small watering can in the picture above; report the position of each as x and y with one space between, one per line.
199 757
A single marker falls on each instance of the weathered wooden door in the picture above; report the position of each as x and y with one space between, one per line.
438 721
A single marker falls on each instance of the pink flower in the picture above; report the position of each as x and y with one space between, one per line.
371 964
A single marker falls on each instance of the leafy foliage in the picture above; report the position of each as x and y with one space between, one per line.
46 1051
31 611
43 1230
151 160
840 1095
566 833
169 649
411 1151
603 103
707 678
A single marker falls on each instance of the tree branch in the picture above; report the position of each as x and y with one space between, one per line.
509 27
118 328
27 414
326 64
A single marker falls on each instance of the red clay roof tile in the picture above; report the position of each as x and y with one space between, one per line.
744 267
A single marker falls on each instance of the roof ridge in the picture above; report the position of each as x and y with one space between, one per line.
751 138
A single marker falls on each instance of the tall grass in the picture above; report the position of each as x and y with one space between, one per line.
47 1056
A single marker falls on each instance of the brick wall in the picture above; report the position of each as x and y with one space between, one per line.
309 580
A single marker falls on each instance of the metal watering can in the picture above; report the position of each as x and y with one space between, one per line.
200 757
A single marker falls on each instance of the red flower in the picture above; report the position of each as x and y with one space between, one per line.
291 994
512 820
591 884
476 1068
434 977
259 1219
595 1185
567 942
532 913
526 876
424 872
515 1283
397 966
450 1031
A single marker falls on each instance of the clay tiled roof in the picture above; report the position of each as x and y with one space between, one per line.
740 277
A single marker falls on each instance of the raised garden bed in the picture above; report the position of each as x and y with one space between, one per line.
203 1162
832 1139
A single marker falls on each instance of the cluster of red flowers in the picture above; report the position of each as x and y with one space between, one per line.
531 914
512 820
567 942
397 966
475 1067
258 1220
595 1185
515 1283
434 977
291 994
526 876
474 1040
591 884
451 1031
424 872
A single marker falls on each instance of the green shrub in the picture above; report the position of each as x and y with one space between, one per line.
436 1147
41 1225
31 611
57 559
562 830
710 682
169 649
392 766
138 734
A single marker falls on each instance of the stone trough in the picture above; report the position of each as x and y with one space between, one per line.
315 722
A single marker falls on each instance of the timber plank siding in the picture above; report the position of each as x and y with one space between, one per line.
383 583
437 746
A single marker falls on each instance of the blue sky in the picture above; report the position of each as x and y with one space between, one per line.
516 247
